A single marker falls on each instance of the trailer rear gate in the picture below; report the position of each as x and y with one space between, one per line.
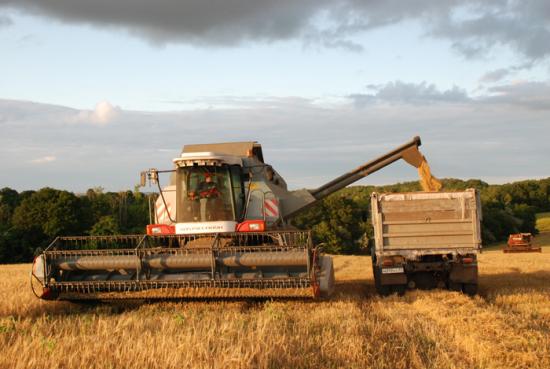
427 220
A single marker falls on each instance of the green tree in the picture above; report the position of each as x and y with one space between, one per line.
51 212
106 225
337 222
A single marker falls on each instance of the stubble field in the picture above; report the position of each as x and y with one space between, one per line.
506 326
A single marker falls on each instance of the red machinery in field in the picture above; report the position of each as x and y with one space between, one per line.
521 242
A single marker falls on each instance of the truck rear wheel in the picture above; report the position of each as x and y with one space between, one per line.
400 289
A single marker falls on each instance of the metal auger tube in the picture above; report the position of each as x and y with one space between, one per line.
182 261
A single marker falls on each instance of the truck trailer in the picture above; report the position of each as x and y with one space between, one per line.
426 240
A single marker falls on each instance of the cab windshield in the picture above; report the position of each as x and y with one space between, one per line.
204 194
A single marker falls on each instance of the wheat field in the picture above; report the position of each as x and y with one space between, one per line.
506 326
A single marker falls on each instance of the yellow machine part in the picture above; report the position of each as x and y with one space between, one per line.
427 180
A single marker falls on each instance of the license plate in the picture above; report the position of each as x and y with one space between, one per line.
392 270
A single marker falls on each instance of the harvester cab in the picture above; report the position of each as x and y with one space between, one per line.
221 230
225 188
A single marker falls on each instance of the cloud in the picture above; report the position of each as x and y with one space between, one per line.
531 95
104 113
501 73
43 160
409 93
527 94
495 75
308 142
5 21
478 26
217 22
472 26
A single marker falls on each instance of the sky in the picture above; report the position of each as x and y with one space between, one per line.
93 92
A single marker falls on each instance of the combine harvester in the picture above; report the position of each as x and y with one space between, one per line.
221 230
521 242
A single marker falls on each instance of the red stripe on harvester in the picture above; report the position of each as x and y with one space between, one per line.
271 208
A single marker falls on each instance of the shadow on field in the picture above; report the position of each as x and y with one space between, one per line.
514 282
67 308
489 285
344 291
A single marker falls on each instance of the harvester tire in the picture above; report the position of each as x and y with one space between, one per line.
455 286
470 289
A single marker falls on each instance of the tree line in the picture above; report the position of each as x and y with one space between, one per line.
30 220
341 222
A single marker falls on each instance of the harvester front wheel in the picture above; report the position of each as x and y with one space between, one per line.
455 286
469 289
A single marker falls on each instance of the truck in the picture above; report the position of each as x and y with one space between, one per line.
426 240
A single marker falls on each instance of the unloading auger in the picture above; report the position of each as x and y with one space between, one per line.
221 229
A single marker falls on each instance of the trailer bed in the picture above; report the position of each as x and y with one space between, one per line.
435 221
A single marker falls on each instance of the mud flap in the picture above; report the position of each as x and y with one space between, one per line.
461 273
394 278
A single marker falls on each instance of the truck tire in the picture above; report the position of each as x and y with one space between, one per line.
400 289
383 290
470 289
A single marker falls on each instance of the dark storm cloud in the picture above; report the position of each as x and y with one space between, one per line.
472 26
522 25
212 22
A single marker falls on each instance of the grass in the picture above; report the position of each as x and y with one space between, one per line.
542 239
543 222
507 326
